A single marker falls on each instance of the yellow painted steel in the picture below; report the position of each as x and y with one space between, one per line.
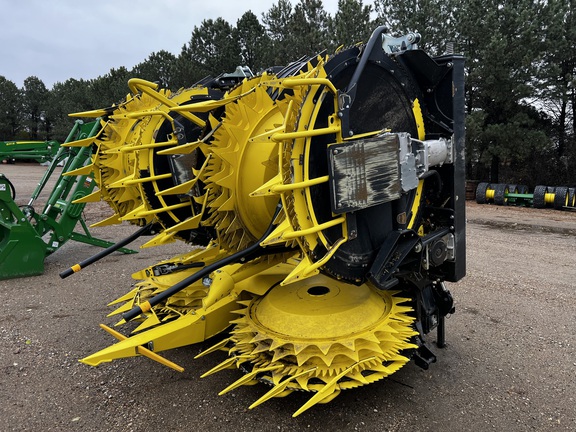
294 327
323 336
416 205
419 118
144 351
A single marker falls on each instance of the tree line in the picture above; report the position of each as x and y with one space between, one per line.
520 72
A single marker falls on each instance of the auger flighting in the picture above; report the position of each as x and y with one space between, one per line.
342 180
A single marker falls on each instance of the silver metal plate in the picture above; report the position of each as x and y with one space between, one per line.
364 173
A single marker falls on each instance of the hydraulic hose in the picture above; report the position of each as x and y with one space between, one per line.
77 267
238 256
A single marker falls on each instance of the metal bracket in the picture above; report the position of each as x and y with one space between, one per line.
392 45
424 357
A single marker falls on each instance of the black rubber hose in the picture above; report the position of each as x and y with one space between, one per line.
200 274
375 38
77 267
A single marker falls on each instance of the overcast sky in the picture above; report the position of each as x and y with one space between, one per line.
60 39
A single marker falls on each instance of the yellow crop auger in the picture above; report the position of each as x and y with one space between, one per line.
328 199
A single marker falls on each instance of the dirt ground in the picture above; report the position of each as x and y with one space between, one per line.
510 363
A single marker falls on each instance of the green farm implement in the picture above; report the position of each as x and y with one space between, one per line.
559 198
28 236
39 151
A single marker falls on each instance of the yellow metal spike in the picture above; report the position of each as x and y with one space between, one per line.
316 228
258 337
249 378
329 388
312 269
95 196
280 354
276 343
85 170
277 236
133 215
290 136
229 363
144 213
225 179
220 346
119 323
183 331
267 136
90 114
280 388
126 297
139 147
303 270
267 188
182 148
229 204
325 347
124 308
86 142
121 182
150 321
190 223
179 189
261 347
140 180
161 239
144 351
112 220
244 303
280 187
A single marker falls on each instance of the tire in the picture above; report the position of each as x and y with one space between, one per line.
523 189
512 188
481 193
572 197
560 197
539 197
500 192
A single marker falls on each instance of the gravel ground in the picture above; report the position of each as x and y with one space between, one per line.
510 363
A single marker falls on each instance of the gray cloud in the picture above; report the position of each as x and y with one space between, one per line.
62 39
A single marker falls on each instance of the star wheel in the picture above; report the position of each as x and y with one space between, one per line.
341 243
322 336
130 135
240 160
135 178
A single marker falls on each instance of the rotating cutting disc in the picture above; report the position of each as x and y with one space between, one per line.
323 336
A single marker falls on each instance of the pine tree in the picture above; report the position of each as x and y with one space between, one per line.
10 110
